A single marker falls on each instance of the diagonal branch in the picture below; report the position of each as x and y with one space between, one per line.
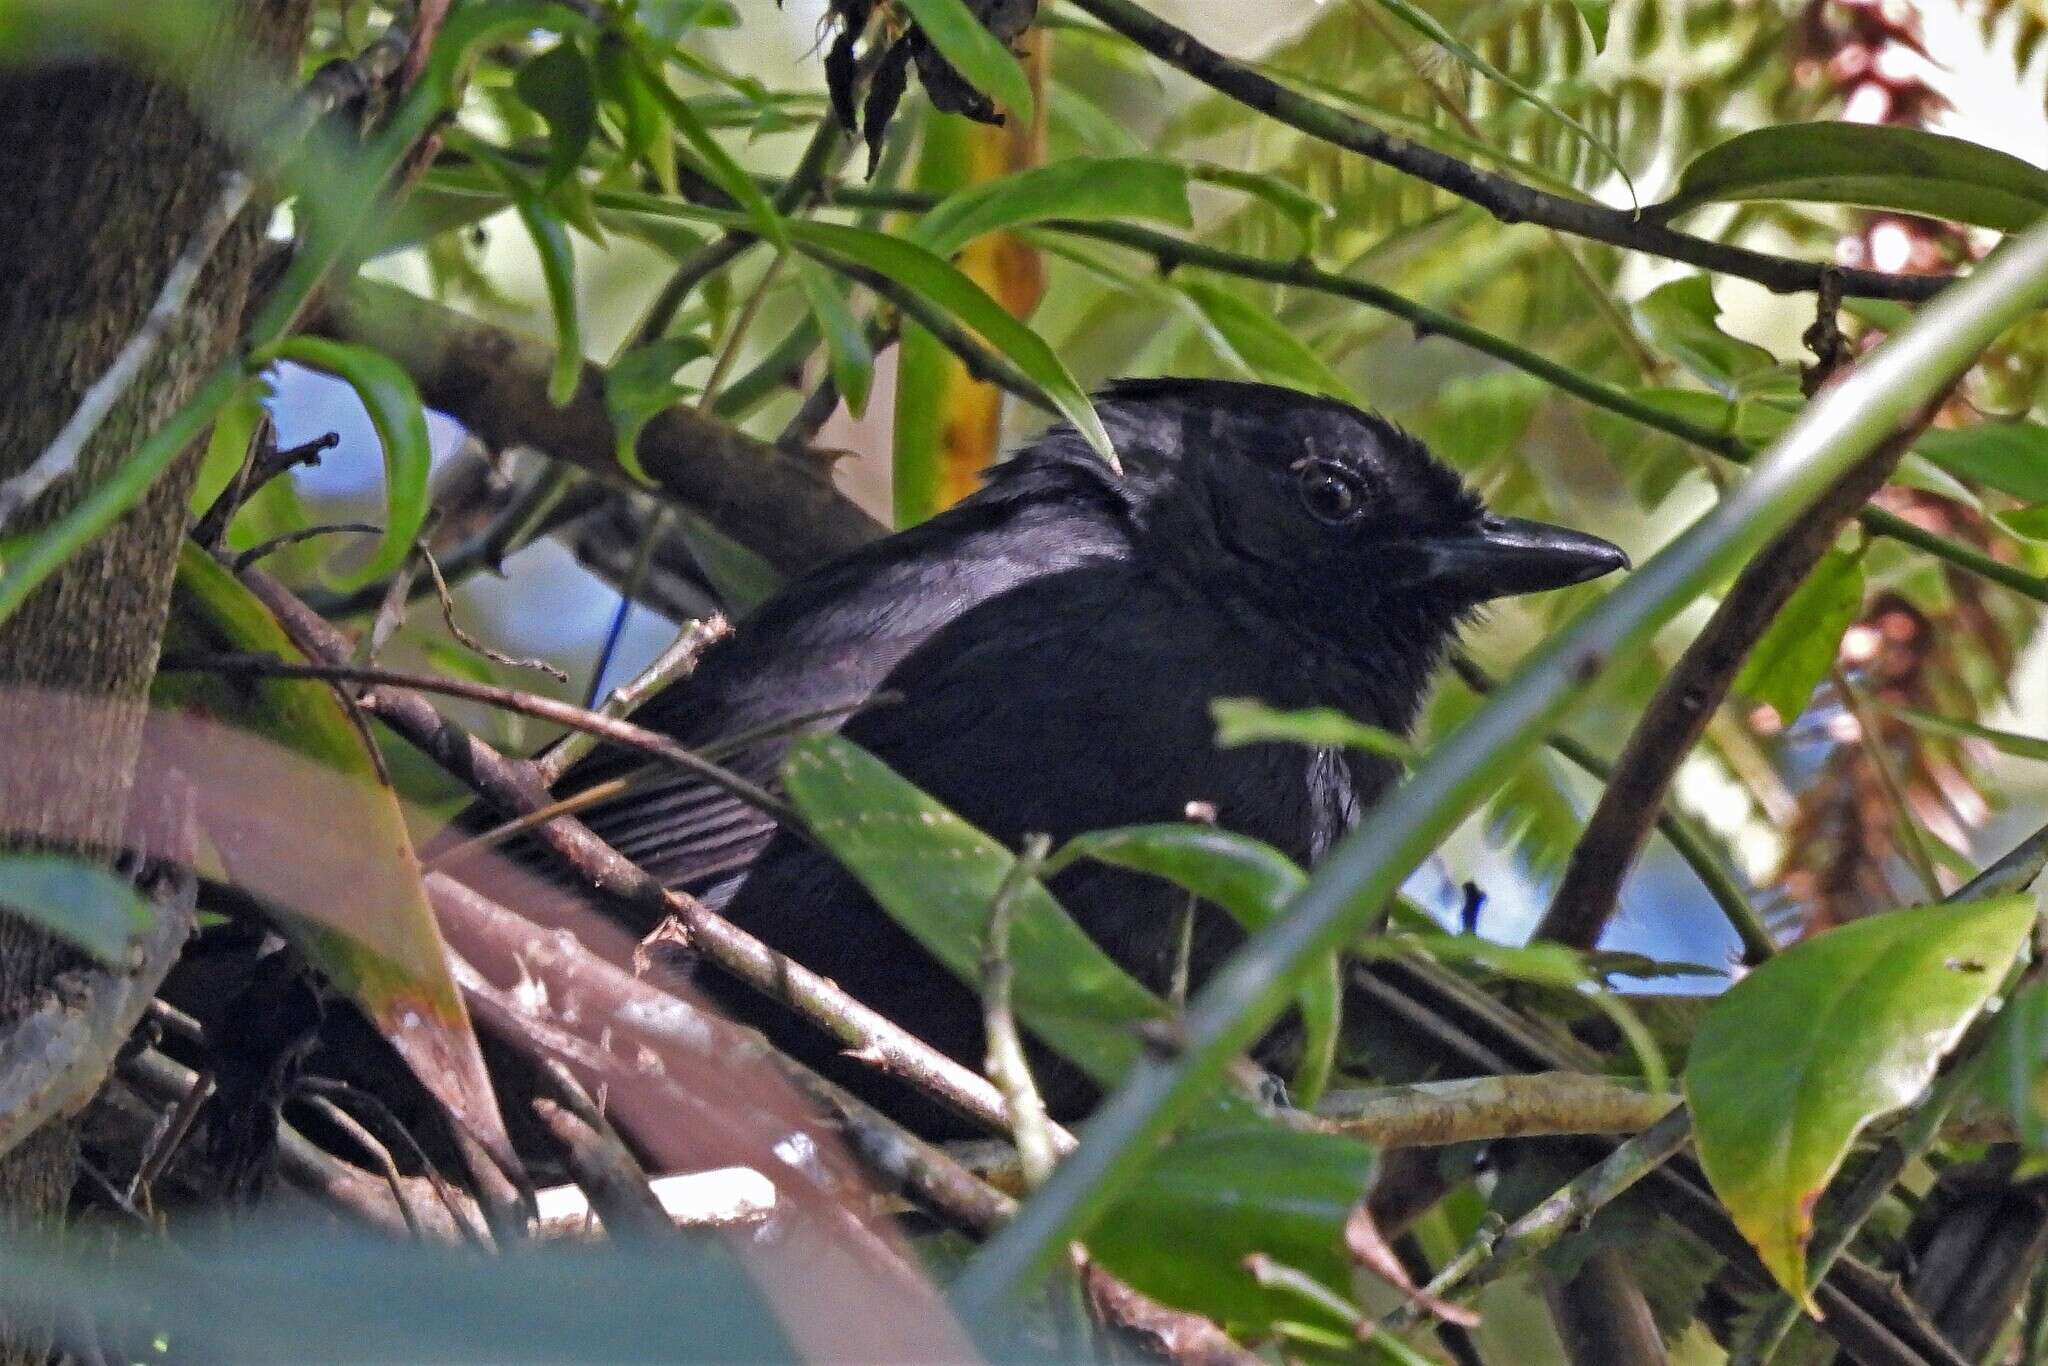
1508 200
1676 717
778 503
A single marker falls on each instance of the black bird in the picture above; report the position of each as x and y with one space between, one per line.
1055 641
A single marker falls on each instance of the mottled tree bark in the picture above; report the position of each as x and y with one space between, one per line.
104 174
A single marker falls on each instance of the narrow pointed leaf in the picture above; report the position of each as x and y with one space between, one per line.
1263 347
1244 721
400 421
640 385
1252 881
346 883
851 359
1080 188
560 86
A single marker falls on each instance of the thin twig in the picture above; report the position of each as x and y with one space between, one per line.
610 729
516 787
1508 200
264 549
1007 1066
470 642
670 666
1498 1251
263 463
364 1139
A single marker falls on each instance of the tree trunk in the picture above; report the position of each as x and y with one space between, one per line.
103 177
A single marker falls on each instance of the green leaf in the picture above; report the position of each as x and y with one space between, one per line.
939 282
1243 721
560 86
641 384
1799 647
2005 741
1260 345
400 421
974 52
1086 189
82 903
726 173
846 342
1428 26
935 875
1871 165
1683 320
1252 881
636 92
228 447
2011 457
2014 1075
2029 523
1793 1062
558 270
1216 1196
1303 210
1595 13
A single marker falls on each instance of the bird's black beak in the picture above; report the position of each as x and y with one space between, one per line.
1503 556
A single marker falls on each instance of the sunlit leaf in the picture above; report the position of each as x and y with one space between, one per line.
1263 347
1803 1053
1683 320
400 421
851 359
228 447
1799 647
2004 741
1244 721
1871 165
944 286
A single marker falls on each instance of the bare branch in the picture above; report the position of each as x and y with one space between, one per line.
778 503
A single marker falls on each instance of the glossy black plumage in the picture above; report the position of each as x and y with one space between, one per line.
1056 640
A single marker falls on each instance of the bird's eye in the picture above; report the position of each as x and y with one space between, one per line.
1331 493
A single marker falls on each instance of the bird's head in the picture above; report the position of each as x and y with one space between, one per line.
1333 518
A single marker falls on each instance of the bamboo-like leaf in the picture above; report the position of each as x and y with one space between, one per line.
1243 721
639 385
1260 345
1080 188
560 86
400 421
939 282
346 883
851 359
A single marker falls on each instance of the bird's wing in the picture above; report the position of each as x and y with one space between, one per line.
826 642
